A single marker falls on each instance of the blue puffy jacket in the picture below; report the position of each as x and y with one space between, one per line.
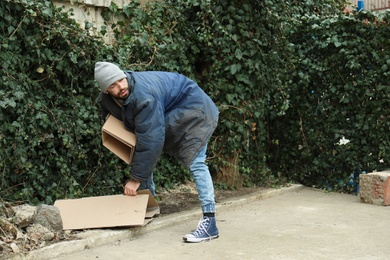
167 112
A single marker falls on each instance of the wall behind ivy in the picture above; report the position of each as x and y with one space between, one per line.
289 79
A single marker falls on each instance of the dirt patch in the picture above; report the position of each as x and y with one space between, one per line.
185 197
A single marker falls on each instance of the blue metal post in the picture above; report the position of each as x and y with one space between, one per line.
360 5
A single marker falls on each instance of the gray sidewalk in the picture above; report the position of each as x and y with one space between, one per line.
288 223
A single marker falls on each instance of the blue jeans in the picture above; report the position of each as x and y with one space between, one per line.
204 183
148 184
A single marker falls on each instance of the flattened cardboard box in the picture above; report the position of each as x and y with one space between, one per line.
108 211
118 139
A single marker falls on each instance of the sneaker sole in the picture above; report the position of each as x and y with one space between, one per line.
198 240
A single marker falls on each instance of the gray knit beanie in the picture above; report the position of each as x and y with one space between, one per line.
107 74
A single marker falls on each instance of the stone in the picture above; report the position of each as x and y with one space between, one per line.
24 215
375 188
38 233
15 248
49 217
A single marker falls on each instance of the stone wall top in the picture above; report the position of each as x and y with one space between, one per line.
98 3
383 174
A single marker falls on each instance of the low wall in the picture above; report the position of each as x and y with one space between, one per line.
375 188
89 10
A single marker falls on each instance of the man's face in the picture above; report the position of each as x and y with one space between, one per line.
119 90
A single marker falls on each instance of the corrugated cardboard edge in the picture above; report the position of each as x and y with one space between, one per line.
153 208
72 220
116 128
118 139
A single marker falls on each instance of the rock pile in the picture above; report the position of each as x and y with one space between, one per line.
24 228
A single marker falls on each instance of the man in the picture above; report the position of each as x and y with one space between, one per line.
168 113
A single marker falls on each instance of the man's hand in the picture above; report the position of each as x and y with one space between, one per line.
131 188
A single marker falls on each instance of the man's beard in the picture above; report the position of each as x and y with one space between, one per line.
123 97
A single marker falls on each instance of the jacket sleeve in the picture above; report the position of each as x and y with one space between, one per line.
149 126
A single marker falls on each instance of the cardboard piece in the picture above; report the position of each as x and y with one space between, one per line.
108 211
118 139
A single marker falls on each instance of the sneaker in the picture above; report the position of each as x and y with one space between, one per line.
206 230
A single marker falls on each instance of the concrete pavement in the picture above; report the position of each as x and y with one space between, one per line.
288 223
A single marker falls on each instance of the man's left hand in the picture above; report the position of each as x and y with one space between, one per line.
131 187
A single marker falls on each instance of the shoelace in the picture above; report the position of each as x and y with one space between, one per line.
202 227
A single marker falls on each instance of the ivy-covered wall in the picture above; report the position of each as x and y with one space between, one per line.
290 78
338 123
